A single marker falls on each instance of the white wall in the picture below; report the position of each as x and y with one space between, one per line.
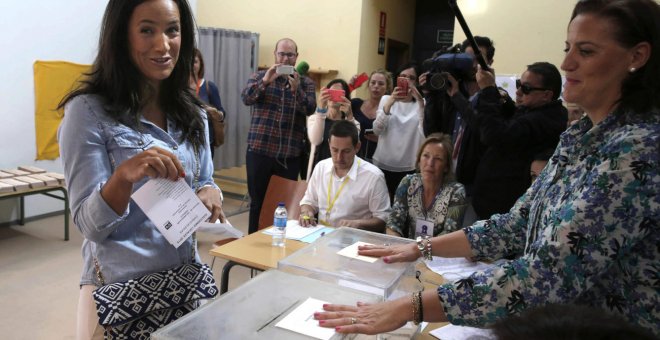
38 30
524 31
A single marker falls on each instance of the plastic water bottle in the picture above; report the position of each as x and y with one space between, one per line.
279 224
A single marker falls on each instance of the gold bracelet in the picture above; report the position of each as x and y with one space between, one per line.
417 307
421 306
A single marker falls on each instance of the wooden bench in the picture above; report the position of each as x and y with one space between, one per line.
29 180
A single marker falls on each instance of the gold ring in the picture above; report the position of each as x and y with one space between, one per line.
306 218
353 321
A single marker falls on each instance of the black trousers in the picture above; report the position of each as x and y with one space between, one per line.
392 180
259 169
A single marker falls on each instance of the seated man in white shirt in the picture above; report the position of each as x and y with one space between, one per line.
346 190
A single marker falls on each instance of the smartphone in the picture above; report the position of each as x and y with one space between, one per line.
284 69
336 95
402 84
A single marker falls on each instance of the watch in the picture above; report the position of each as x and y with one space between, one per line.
424 246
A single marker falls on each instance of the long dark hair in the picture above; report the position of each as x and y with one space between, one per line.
197 53
115 78
636 21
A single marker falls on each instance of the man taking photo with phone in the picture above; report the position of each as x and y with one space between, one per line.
280 102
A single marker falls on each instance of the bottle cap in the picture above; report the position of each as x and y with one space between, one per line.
280 204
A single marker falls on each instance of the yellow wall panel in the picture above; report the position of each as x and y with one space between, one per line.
52 81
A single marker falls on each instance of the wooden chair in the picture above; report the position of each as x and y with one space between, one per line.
279 189
284 190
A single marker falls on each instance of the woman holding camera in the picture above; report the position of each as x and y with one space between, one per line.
586 232
398 128
334 104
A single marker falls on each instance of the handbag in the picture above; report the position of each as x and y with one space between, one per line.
135 308
218 124
217 119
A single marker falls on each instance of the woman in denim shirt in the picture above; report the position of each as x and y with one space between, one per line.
587 231
132 119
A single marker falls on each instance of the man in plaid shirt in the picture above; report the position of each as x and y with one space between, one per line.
280 104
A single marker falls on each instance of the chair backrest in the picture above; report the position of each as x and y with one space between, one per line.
284 190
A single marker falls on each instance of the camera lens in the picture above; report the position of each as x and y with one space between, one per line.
437 81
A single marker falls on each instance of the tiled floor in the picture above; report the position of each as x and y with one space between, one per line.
40 272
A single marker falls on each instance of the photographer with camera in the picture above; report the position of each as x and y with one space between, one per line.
281 99
451 93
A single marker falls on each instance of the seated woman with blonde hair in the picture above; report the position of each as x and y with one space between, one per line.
430 202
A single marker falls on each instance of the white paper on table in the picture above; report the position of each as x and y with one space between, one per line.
454 332
352 252
294 231
453 269
173 207
301 320
221 229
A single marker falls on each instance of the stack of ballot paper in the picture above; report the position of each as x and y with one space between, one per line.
453 269
461 333
294 231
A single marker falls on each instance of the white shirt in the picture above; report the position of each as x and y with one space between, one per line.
363 196
399 135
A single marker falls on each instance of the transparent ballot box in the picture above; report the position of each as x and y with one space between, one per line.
320 260
252 310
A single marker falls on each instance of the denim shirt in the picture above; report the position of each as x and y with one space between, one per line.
92 145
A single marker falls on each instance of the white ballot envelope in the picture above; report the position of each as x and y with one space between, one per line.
225 230
352 252
301 320
173 207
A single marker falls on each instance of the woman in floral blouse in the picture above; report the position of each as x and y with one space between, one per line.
429 202
587 231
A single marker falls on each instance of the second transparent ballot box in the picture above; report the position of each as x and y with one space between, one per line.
320 260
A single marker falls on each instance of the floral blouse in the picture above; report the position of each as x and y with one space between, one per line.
586 231
408 207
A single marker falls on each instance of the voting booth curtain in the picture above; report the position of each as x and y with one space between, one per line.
230 58
52 81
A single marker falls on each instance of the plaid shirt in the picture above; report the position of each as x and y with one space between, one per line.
278 115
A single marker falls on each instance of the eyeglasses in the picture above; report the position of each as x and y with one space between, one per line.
526 88
286 54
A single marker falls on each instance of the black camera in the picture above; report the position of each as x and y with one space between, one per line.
459 65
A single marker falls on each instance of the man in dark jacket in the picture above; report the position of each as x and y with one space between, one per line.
453 112
503 172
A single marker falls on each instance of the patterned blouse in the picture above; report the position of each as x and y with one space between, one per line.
586 231
408 207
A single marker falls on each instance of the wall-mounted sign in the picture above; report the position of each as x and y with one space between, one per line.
444 37
383 24
381 45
